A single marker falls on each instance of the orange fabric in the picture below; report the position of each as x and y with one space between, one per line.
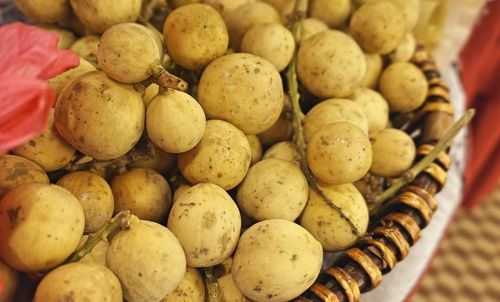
481 79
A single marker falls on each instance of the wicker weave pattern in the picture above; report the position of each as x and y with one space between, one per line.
410 211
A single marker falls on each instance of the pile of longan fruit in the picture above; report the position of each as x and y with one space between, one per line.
221 206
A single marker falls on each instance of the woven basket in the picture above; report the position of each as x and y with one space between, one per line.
361 267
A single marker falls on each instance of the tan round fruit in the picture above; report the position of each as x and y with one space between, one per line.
378 27
333 111
191 288
374 66
195 35
240 19
180 190
10 280
404 86
282 130
410 10
44 11
40 226
340 153
330 64
175 121
242 89
228 290
271 41
16 170
282 247
273 189
283 150
97 15
255 147
129 53
60 81
222 157
393 153
94 195
144 192
207 223
405 49
79 282
99 117
86 47
374 107
148 260
310 26
333 12
49 149
326 224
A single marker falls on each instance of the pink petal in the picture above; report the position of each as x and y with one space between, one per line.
24 108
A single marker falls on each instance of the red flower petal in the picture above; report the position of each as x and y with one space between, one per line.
28 57
25 105
27 51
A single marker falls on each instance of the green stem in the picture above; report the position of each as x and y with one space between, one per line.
120 221
398 183
211 283
293 91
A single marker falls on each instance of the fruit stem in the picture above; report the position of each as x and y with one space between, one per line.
167 80
120 221
299 13
211 283
424 163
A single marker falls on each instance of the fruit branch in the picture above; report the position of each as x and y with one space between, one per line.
121 221
425 162
296 17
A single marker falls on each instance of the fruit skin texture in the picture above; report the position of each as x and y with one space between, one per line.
276 260
144 192
340 153
333 12
373 70
100 117
240 19
374 107
79 282
273 188
326 224
98 15
191 288
393 153
86 47
40 226
222 157
49 149
404 86
207 223
271 41
333 111
60 81
129 53
44 11
175 121
148 260
378 27
94 195
16 170
244 90
330 64
195 35
255 147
